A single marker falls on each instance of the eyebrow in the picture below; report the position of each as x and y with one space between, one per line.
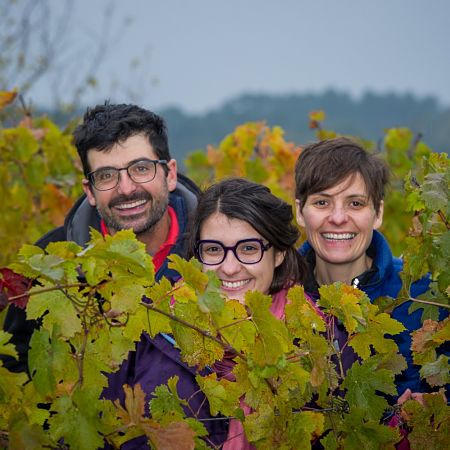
128 164
325 194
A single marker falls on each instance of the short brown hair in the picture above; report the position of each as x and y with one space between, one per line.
325 164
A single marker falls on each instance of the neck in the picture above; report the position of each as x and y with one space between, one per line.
326 273
157 235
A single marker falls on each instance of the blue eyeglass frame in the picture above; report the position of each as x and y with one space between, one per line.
264 248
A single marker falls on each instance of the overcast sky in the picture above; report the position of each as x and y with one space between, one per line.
198 53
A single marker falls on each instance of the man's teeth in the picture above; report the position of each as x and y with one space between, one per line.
234 284
131 205
339 236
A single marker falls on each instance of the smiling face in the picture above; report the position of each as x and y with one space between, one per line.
130 205
238 278
339 224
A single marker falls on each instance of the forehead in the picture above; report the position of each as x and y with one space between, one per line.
352 185
120 154
221 228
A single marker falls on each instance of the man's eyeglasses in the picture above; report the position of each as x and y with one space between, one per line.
247 251
141 171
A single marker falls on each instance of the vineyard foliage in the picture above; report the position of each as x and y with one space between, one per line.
288 372
39 180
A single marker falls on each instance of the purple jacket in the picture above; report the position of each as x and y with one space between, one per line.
155 360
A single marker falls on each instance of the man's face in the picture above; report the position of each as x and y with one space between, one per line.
339 222
130 205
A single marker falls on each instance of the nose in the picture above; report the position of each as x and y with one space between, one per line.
338 215
230 265
126 185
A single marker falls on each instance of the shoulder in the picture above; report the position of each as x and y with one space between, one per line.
56 235
188 191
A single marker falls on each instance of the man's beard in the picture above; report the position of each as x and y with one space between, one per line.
154 215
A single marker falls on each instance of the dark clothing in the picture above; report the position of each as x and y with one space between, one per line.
383 280
155 360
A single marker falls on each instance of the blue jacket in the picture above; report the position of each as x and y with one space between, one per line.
383 280
155 360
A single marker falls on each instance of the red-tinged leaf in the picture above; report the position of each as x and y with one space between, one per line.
313 124
317 116
27 122
174 436
423 344
134 409
13 285
6 98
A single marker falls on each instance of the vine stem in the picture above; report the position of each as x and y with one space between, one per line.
444 219
204 333
41 291
428 302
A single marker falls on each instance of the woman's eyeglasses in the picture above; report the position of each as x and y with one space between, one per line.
246 251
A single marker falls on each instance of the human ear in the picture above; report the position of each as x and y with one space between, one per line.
298 213
379 218
279 257
172 175
87 188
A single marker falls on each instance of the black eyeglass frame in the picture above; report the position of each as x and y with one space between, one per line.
264 248
90 175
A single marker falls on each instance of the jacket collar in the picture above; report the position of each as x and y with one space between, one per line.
378 250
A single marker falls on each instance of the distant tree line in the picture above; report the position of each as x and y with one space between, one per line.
366 117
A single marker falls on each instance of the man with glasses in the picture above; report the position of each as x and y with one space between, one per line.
131 182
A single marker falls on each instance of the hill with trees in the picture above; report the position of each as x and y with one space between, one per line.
367 117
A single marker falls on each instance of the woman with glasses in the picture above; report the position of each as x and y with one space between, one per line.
246 235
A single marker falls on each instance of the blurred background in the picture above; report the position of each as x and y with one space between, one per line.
208 65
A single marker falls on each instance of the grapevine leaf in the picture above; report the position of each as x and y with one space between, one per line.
5 347
13 284
102 353
430 422
165 406
435 191
9 381
49 358
234 325
48 266
152 321
211 300
273 340
124 293
173 436
223 395
361 432
425 340
78 419
134 409
23 435
7 97
196 348
190 271
396 363
430 312
362 382
259 424
59 311
159 292
304 427
436 373
301 316
346 303
374 335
